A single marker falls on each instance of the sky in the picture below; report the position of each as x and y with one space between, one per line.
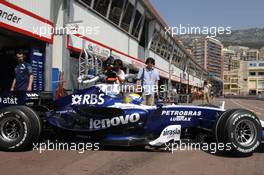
238 14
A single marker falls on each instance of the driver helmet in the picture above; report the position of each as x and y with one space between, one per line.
133 99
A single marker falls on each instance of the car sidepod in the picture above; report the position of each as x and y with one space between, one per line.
186 116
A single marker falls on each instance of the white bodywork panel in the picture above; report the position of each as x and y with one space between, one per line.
172 132
262 123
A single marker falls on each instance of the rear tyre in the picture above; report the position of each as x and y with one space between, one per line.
20 127
239 130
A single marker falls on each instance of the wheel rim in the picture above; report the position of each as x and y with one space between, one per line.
245 132
10 129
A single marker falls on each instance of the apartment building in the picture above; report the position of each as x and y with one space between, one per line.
261 53
231 71
248 79
255 77
208 52
252 55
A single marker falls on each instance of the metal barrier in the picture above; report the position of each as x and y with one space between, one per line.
90 64
184 98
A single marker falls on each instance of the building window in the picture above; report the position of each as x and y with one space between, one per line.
169 51
261 64
158 48
115 11
137 24
253 64
154 41
261 73
127 17
87 2
101 6
177 57
165 48
252 73
162 46
261 84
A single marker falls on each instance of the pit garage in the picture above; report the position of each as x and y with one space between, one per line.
34 50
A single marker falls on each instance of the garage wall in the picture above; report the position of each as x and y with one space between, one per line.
5 42
58 45
160 62
38 7
197 82
20 41
176 71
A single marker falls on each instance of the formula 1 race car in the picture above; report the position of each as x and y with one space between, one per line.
113 119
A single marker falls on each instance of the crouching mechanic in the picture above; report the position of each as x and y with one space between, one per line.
148 78
118 65
23 74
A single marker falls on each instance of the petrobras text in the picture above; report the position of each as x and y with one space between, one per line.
181 113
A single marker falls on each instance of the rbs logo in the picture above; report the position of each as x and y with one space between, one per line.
88 99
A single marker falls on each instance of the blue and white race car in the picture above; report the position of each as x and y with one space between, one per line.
113 119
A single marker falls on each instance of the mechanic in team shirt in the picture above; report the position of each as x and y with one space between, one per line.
23 74
148 78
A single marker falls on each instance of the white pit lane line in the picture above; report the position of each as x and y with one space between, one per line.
246 107
243 105
250 106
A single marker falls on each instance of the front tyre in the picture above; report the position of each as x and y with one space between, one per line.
241 130
19 128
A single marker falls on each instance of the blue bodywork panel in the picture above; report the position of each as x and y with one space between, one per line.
91 110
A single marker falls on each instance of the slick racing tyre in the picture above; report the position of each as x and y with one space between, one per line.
240 129
20 127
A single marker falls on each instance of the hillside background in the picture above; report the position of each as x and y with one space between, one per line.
253 38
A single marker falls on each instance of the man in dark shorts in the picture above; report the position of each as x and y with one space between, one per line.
23 74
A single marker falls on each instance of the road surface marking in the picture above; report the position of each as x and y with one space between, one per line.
244 106
258 108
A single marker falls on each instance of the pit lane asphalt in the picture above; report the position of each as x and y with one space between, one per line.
120 161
